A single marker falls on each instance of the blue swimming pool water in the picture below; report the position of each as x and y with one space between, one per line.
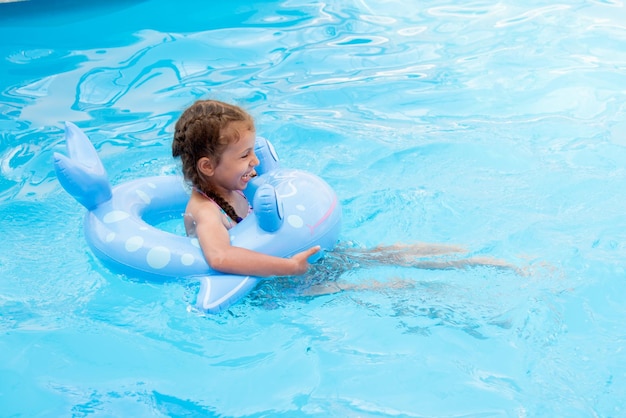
498 127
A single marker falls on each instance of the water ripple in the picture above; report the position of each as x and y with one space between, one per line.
495 126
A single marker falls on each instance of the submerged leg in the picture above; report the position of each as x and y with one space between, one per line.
420 255
327 275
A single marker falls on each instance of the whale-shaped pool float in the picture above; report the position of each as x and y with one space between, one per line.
293 210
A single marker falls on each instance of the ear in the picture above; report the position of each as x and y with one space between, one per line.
205 166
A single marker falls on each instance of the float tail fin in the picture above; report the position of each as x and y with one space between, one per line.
82 174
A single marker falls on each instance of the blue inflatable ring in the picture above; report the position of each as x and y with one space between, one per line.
293 210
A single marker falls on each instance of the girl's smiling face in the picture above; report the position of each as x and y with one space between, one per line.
236 165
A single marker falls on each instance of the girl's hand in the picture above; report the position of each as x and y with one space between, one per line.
301 260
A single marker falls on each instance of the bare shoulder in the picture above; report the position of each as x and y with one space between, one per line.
200 211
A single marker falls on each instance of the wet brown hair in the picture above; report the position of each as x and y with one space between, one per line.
204 130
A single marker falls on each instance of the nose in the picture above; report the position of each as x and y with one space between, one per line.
255 160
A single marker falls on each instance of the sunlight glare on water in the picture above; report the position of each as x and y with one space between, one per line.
498 127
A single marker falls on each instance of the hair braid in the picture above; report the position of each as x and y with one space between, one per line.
222 203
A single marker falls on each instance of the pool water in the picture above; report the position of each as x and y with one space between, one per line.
499 127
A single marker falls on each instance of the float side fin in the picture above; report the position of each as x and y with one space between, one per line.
219 292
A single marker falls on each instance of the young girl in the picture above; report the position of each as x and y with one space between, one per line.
215 142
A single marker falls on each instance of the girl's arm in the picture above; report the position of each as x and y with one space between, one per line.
222 256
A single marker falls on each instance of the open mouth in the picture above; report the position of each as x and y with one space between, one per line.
250 175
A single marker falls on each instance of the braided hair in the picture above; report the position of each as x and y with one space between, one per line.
203 131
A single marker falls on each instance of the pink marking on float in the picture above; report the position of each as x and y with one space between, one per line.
333 205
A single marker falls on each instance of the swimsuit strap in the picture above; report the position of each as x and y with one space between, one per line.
249 205
230 220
